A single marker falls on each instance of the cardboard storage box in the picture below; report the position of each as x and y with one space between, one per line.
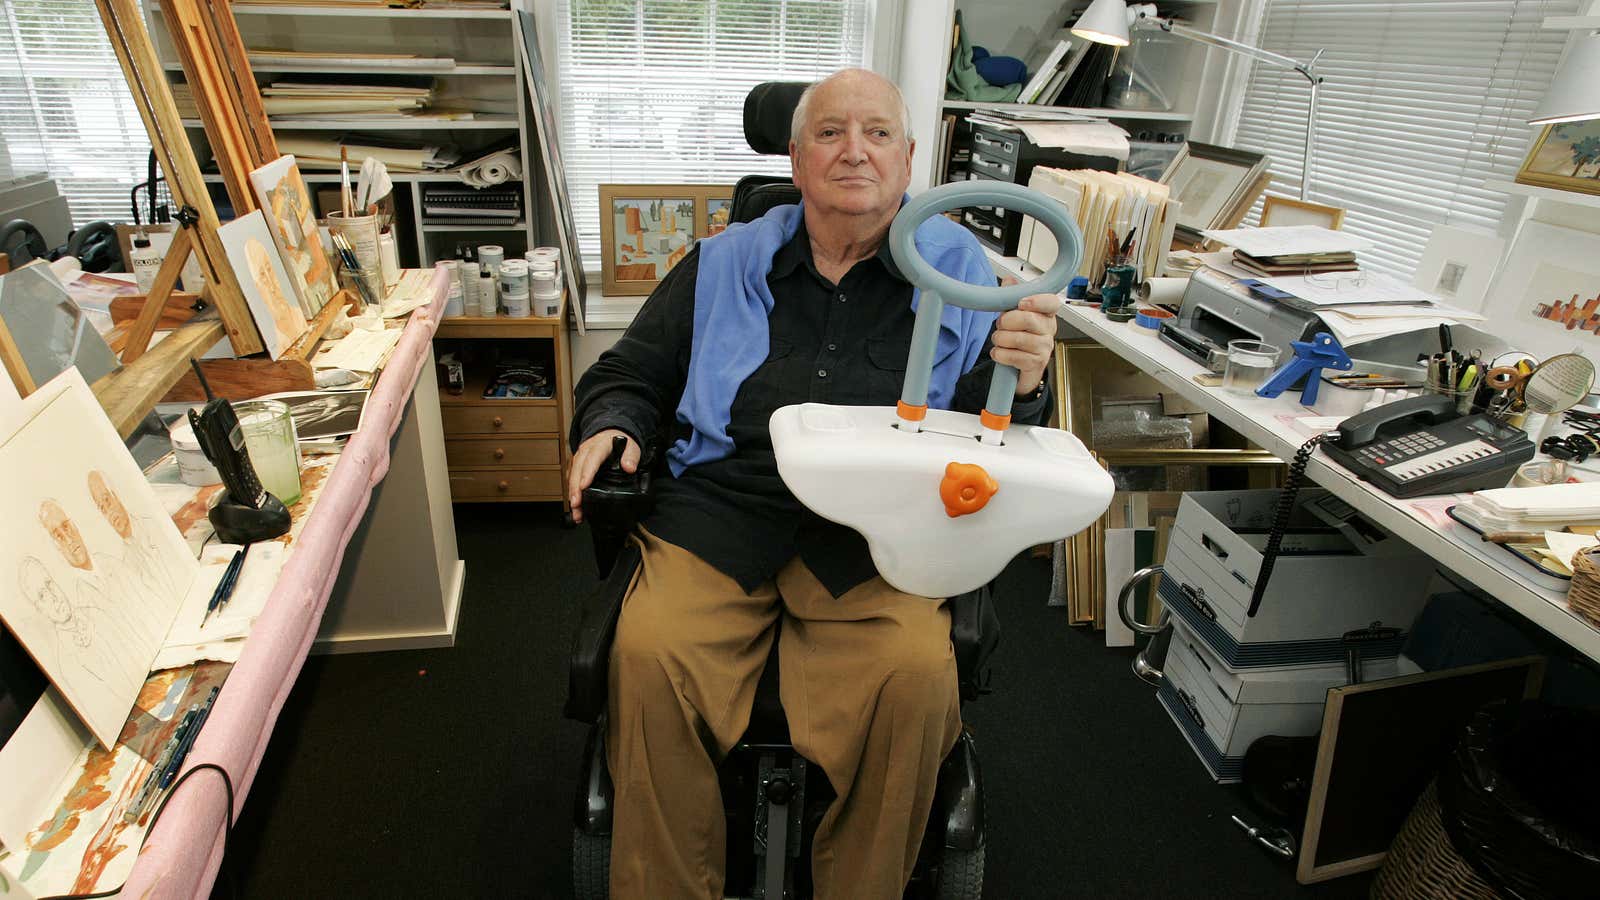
1337 573
1222 713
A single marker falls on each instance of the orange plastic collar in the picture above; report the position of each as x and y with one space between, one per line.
911 413
994 422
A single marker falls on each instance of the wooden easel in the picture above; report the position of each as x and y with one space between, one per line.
224 88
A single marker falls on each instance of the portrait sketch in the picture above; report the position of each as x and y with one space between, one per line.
95 570
267 286
293 225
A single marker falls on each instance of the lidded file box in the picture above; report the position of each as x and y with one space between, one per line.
1221 713
1337 572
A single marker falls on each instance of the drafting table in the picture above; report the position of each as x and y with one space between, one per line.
1258 420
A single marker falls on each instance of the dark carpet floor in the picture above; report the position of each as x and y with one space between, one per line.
452 773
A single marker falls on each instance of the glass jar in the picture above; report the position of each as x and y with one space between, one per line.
1143 75
270 438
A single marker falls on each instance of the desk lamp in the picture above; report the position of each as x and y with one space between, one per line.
1573 95
1108 21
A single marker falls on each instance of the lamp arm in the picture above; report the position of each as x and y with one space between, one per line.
1307 69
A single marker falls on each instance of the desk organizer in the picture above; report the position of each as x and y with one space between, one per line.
1337 573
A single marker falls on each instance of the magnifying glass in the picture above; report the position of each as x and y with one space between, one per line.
1555 386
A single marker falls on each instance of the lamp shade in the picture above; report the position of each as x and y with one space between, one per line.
1575 91
1104 22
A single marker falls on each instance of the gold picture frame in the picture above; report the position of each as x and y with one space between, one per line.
646 229
1286 211
1566 157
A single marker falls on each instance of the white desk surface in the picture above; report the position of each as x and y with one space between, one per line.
1488 566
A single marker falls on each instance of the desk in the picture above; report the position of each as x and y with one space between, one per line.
1258 420
179 858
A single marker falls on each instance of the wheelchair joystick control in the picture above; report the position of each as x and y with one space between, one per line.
921 483
615 501
779 790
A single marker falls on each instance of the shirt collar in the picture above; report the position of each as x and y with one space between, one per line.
798 252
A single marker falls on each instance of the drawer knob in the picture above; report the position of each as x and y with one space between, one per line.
503 486
497 422
499 453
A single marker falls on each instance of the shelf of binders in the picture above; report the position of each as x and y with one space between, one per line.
399 123
371 69
1145 115
454 226
273 9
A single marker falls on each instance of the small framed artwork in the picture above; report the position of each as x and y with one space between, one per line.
646 229
1566 157
1213 185
1284 211
1458 264
1546 298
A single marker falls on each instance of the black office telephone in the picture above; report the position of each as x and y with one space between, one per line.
1421 445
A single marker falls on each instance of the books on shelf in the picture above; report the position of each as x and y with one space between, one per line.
501 204
1046 70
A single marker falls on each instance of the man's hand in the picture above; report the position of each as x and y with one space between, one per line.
588 459
1024 337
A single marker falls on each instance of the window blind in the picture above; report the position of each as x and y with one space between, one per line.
652 91
1424 101
65 109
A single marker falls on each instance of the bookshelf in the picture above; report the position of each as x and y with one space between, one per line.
483 42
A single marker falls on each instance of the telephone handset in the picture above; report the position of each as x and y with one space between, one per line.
1420 445
246 512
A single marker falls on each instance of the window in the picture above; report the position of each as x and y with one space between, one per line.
65 109
652 91
1424 102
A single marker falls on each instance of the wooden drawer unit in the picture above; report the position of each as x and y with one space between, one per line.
496 452
508 417
505 484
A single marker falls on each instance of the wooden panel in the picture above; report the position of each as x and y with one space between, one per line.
243 379
468 485
502 452
130 392
512 418
497 327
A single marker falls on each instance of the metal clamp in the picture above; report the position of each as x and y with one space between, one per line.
1142 667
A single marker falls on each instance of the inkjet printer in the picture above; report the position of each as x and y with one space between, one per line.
1218 308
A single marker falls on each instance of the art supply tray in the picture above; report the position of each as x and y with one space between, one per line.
1542 575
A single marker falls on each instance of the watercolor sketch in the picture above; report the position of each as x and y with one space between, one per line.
267 286
717 212
288 209
651 236
95 569
1565 156
1546 298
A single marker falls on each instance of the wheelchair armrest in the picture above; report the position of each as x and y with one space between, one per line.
615 502
974 632
590 662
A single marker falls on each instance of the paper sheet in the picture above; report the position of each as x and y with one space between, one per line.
358 351
1565 546
1350 289
412 292
222 637
1287 240
1092 138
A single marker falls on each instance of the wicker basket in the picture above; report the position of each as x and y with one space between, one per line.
1584 595
1422 863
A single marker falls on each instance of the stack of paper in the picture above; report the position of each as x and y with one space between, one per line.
1547 507
1107 205
317 152
266 56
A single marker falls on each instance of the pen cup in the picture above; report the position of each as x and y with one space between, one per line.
1463 398
1250 364
270 438
362 233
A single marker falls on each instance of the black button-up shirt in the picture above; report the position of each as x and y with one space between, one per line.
843 344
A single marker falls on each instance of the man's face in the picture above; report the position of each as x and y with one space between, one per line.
65 534
852 156
110 505
52 603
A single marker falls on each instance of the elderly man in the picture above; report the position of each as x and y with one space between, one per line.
805 304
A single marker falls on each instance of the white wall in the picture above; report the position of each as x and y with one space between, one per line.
924 57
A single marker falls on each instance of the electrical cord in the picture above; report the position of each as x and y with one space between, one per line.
227 784
1280 517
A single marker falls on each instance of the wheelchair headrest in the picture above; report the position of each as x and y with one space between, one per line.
767 110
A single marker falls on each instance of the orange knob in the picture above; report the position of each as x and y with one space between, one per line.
497 422
966 488
504 486
499 453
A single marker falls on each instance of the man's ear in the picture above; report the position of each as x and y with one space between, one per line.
794 157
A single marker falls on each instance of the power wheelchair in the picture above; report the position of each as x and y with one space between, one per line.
773 798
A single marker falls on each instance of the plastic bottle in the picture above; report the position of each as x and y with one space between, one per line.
514 288
146 262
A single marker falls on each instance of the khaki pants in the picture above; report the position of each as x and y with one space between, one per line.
868 683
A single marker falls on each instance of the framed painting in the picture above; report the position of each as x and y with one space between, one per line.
1565 156
646 229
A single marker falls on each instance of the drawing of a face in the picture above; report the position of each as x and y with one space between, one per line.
67 538
43 592
110 505
286 317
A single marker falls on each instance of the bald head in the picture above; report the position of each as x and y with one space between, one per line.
849 80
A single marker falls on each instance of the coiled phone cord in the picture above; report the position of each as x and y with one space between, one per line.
1280 517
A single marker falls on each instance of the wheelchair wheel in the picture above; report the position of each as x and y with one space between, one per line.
960 875
591 866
